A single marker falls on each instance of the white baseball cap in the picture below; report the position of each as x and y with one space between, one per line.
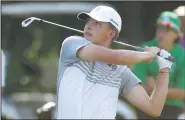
103 14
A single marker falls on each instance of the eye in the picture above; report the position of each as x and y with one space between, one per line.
98 23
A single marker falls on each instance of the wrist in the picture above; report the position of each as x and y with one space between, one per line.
147 56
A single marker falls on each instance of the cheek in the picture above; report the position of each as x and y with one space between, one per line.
99 33
102 35
98 36
173 36
168 36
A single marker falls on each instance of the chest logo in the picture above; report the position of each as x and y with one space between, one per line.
113 67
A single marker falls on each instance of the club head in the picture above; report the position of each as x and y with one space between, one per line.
28 21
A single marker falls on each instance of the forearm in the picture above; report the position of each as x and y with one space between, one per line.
93 52
175 93
160 91
129 57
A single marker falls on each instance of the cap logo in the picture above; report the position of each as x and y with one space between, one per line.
113 21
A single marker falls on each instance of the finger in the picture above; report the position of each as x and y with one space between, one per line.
146 48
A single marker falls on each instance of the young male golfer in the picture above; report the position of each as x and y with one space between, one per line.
91 76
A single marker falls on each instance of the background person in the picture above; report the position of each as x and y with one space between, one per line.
167 36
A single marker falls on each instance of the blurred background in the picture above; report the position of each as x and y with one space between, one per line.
31 54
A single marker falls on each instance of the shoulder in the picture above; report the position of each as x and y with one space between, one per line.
122 68
72 39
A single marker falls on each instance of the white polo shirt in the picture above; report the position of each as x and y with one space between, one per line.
87 89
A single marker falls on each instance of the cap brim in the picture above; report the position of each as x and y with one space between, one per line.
83 16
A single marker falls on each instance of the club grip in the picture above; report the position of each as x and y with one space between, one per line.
172 59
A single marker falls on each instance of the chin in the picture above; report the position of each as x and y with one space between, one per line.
88 38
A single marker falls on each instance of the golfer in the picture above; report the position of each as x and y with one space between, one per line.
91 75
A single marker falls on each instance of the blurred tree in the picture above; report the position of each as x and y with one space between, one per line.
15 41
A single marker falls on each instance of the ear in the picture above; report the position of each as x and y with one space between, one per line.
112 34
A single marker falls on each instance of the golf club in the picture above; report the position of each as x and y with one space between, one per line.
28 21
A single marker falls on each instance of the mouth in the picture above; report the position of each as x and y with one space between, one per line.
88 34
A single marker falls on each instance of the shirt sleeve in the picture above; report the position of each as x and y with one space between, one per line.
70 46
129 81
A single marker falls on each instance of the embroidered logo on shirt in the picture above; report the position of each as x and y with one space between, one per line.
114 67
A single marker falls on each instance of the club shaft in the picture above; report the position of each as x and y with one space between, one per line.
121 43
62 26
128 45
